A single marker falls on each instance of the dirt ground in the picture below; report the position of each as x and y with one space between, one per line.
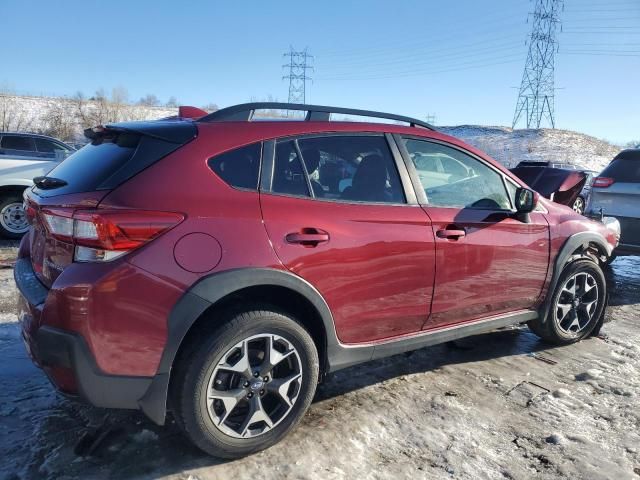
500 405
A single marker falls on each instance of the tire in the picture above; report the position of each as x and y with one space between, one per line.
573 317
578 205
611 258
236 424
13 220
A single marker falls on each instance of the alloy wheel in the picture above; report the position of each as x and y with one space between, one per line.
13 218
254 386
578 205
577 303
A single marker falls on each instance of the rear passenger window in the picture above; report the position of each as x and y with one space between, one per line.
11 142
239 168
338 167
288 174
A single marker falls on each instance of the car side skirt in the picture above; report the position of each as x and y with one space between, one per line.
343 356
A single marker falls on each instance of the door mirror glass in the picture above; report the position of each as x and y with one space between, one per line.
526 200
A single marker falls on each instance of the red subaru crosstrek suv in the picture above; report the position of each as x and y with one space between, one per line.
219 265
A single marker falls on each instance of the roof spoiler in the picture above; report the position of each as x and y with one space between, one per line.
166 130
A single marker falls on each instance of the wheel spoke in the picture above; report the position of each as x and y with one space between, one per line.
242 365
564 308
256 414
229 399
272 356
589 307
571 290
575 322
280 387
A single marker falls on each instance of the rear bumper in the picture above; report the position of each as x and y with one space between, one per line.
629 234
65 355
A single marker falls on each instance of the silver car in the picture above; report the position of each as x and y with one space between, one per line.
23 156
616 193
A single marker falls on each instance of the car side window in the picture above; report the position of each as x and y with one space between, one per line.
47 146
16 142
351 168
462 182
288 174
239 168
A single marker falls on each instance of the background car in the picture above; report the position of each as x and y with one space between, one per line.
560 182
23 156
616 193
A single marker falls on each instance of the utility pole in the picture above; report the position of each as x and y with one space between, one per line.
297 74
431 118
536 93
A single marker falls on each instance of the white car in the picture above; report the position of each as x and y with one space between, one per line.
23 156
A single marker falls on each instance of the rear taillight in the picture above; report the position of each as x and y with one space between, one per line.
602 182
103 235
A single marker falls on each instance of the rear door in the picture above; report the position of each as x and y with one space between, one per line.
487 261
616 192
346 220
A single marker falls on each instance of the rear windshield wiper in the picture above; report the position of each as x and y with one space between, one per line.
48 183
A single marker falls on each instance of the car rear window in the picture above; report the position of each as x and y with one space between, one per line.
239 168
625 168
87 168
116 154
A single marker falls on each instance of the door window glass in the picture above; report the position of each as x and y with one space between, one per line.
452 178
14 142
288 174
352 168
47 146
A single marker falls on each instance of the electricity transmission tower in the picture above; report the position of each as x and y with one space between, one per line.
297 68
536 94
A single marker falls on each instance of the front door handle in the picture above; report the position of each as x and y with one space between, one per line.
308 237
451 234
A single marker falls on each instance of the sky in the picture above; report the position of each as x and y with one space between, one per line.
460 61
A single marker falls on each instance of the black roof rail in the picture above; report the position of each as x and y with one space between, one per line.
319 113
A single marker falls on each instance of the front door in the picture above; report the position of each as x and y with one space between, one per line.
340 220
488 262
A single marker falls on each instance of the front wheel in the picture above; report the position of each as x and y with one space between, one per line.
13 219
576 305
242 387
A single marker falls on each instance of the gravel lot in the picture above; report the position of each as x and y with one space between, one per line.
500 405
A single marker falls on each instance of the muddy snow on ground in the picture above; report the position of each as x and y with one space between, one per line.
500 405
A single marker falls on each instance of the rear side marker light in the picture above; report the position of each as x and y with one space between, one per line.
602 182
104 235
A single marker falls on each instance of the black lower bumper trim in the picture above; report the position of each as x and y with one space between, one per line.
627 249
57 347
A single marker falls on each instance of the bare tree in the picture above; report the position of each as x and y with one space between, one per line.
59 120
149 100
172 102
210 107
12 117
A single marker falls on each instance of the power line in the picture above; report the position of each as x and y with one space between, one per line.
298 66
536 95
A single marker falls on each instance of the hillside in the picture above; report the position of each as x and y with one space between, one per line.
510 146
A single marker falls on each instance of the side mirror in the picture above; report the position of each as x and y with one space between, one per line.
526 200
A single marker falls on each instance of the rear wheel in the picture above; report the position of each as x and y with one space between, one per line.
13 220
242 387
576 305
578 205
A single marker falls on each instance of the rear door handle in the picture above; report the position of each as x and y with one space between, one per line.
451 234
308 237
